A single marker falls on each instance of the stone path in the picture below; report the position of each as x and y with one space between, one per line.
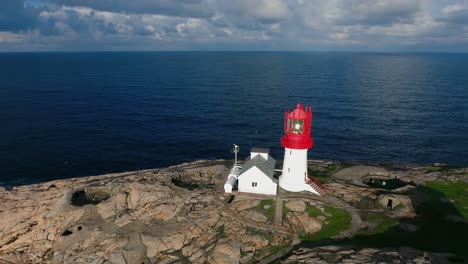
278 220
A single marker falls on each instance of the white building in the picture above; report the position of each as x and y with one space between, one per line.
296 142
257 173
232 178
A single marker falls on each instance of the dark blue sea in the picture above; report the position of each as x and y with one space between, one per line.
77 114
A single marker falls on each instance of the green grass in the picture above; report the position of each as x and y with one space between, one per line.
399 207
270 212
254 231
379 205
265 202
325 175
220 231
458 192
383 222
334 224
434 233
313 211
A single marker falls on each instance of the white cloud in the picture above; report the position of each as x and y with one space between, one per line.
453 8
204 24
269 10
9 37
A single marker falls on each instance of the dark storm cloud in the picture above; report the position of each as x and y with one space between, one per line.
180 8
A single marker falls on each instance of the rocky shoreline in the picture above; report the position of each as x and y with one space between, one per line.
180 214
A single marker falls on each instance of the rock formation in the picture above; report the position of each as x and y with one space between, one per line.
335 254
181 215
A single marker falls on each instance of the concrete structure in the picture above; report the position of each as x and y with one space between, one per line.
232 178
257 173
296 142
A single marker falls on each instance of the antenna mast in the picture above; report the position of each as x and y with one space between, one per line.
235 150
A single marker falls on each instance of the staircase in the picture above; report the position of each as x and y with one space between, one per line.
316 185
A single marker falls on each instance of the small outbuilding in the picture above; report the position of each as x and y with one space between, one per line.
257 174
232 179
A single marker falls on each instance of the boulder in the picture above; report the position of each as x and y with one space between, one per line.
296 205
255 241
309 224
152 244
255 216
245 204
226 252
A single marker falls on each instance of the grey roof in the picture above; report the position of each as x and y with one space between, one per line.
266 166
260 150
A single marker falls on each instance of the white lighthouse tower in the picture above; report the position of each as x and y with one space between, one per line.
296 142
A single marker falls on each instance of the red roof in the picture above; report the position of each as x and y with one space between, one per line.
298 113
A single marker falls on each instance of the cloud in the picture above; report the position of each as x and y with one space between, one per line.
180 8
267 11
239 24
455 14
380 12
9 37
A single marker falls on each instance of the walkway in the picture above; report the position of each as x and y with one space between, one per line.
278 220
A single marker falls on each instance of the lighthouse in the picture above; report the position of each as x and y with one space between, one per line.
296 142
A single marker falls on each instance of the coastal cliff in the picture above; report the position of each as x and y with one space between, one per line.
180 214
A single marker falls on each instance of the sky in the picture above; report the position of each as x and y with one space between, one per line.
289 25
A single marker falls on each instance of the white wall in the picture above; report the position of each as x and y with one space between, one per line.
264 184
230 183
264 155
294 170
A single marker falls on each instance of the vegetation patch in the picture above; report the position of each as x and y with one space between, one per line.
399 206
220 231
269 212
323 175
453 191
285 209
434 232
337 221
313 211
382 223
254 231
379 205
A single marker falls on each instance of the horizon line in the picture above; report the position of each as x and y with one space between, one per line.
247 51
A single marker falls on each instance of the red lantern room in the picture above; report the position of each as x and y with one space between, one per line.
297 126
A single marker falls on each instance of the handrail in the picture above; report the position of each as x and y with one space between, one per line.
317 182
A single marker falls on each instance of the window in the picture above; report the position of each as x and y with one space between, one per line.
254 184
289 169
295 126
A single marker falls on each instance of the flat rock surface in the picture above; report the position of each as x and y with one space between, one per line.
180 214
296 205
341 254
356 173
153 216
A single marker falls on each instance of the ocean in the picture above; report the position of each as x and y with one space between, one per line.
78 114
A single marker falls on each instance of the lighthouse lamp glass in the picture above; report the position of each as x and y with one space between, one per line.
296 126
